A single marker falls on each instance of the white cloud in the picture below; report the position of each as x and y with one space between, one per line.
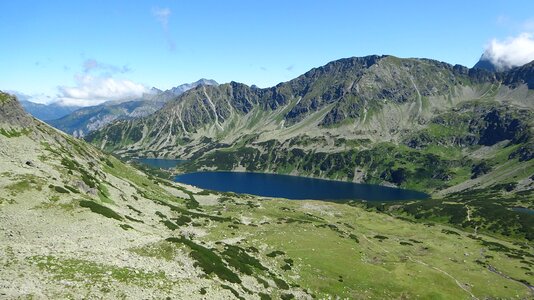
512 52
90 65
91 90
163 15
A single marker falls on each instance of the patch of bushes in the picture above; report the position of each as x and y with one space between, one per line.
380 237
125 226
240 260
275 253
133 219
236 294
100 209
169 224
446 231
208 260
182 220
59 189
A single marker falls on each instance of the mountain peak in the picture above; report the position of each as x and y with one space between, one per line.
187 86
204 81
492 65
486 64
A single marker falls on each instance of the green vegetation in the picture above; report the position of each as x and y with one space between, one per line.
240 260
11 133
24 183
208 260
59 189
162 250
489 209
100 209
87 272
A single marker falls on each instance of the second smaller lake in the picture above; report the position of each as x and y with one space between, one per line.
161 163
524 210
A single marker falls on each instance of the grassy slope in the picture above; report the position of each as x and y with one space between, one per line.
328 249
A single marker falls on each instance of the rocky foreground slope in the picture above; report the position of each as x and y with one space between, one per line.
413 123
77 223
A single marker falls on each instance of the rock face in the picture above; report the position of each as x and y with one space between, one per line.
520 75
11 112
334 121
485 64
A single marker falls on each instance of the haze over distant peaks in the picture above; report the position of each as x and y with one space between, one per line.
87 119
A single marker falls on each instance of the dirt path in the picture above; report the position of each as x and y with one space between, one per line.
444 272
494 270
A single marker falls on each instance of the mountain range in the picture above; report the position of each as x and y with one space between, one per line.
413 123
47 112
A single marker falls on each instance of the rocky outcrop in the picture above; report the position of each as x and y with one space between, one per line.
520 75
11 112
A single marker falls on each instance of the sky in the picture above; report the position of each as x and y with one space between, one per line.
85 52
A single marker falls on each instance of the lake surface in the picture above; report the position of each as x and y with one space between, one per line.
524 210
294 187
160 162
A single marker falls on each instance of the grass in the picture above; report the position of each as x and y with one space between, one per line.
88 272
24 183
162 250
358 246
11 133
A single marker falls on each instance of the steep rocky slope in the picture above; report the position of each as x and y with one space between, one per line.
414 123
77 223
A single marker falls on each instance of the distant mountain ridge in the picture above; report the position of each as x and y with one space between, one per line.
46 112
87 119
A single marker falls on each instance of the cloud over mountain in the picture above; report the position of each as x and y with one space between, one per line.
93 90
96 84
509 53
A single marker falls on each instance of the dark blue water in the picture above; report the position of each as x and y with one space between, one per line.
294 187
524 210
160 162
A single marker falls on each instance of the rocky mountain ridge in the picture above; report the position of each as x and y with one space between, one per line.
341 120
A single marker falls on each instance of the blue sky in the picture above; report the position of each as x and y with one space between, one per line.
87 51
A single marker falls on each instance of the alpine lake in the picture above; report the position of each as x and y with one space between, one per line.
285 186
